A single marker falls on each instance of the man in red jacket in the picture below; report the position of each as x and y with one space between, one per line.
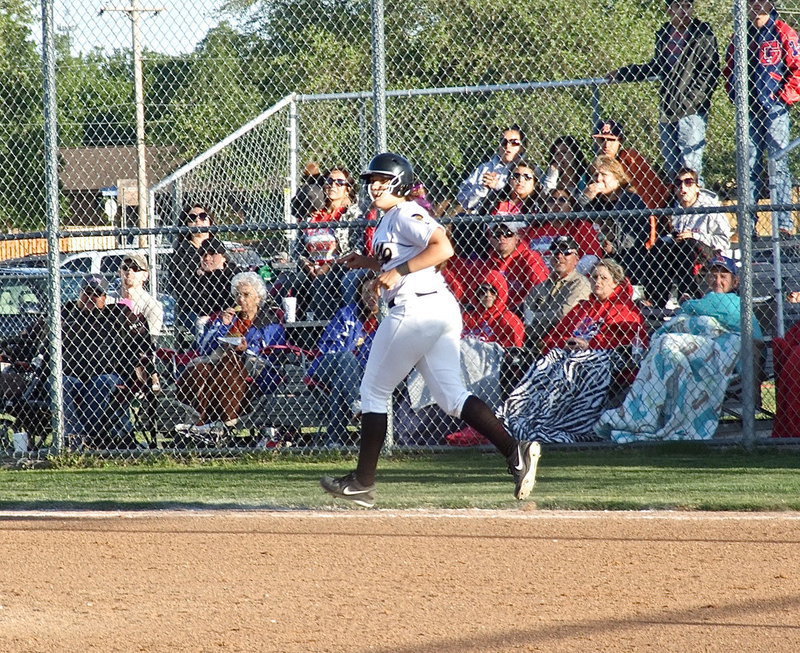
512 257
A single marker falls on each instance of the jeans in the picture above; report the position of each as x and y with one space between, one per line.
341 373
683 143
769 133
88 410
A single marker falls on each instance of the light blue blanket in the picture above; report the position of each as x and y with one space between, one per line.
681 384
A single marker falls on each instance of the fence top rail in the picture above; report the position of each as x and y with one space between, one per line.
463 90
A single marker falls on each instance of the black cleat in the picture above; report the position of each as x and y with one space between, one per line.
348 487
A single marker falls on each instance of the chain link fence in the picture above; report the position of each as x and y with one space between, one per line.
212 314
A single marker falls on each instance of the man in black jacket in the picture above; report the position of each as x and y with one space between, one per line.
687 63
103 344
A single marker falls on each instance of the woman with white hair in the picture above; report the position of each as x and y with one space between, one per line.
232 349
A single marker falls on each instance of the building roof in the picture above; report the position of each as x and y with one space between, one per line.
83 168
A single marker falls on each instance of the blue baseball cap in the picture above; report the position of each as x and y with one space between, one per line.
726 262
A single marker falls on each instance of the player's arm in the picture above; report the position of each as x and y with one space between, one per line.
438 250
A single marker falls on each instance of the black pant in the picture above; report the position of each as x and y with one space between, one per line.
672 263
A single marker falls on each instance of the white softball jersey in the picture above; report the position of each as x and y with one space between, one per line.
423 327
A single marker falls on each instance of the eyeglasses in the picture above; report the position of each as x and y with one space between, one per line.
517 176
330 181
688 181
503 233
510 141
196 217
126 267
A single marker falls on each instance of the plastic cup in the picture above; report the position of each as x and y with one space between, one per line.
20 442
290 309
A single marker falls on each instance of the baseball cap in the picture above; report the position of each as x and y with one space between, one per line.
726 262
95 284
609 129
137 260
513 227
564 244
211 246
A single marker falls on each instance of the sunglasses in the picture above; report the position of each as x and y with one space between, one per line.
127 267
685 182
330 181
503 233
565 252
510 141
486 290
517 176
196 217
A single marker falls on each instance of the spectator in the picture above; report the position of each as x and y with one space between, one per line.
564 392
686 62
681 384
104 345
213 286
343 350
320 290
521 267
609 137
233 350
184 268
543 230
494 173
493 322
774 68
551 300
310 196
625 238
568 167
694 239
134 272
521 195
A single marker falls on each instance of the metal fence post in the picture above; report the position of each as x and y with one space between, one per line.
53 226
744 212
379 75
291 235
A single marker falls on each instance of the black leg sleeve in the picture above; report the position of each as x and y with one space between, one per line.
373 433
480 417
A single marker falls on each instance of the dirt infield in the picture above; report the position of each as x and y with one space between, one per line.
400 582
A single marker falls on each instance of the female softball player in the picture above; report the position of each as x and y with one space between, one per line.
422 329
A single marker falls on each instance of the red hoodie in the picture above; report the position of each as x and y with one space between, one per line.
617 322
522 270
495 324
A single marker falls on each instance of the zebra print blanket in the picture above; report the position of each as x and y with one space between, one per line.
561 396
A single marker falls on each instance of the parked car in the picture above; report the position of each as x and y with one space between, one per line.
23 298
107 262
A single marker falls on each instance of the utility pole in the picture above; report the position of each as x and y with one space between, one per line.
135 12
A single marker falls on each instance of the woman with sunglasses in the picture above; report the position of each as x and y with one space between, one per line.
494 173
134 273
320 290
184 267
521 195
694 239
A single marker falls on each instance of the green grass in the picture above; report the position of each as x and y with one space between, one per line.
680 476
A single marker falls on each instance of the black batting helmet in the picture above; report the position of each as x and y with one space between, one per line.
396 167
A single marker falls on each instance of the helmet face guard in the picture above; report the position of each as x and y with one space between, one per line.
394 168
